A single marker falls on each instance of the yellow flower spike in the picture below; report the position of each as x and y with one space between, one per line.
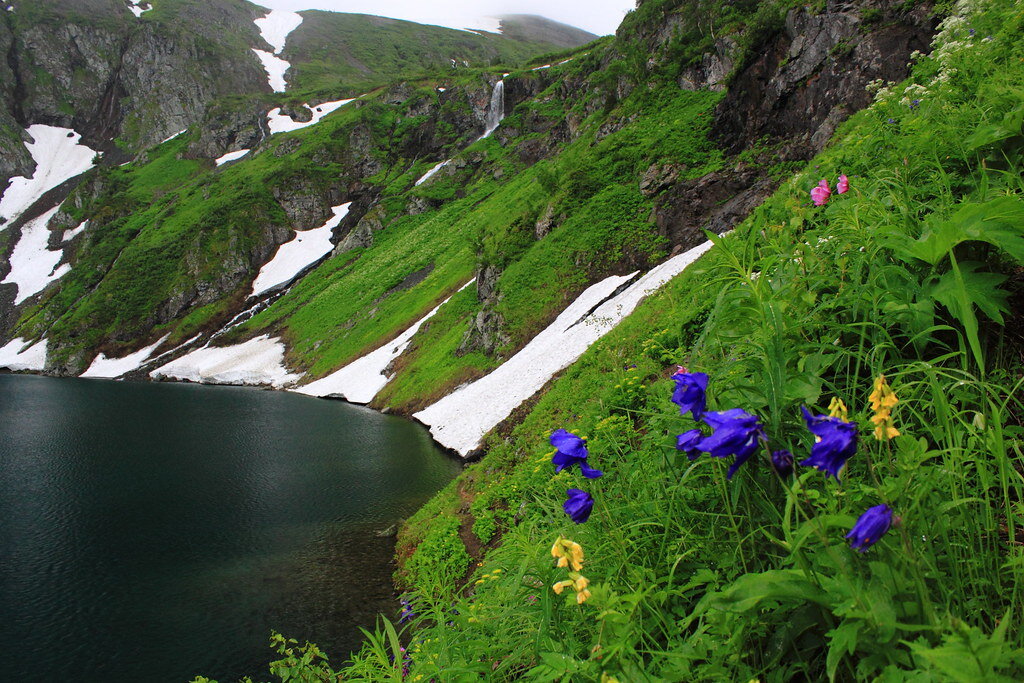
883 400
582 596
561 586
838 409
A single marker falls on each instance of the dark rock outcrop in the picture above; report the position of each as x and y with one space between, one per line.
812 75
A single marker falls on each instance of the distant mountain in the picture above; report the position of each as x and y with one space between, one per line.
530 28
358 51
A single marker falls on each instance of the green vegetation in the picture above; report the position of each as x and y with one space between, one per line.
911 275
355 53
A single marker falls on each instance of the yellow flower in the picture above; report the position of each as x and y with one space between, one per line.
838 409
582 596
561 586
883 400
568 552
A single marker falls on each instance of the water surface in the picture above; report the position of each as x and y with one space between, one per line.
153 532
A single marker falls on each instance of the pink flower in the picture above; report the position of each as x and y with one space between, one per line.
843 185
821 193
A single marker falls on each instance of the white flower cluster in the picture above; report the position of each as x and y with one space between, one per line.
882 89
913 93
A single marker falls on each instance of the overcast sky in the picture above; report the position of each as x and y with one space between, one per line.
597 16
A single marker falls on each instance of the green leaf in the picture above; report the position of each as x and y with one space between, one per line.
842 642
957 290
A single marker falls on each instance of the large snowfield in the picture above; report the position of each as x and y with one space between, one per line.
460 420
257 362
33 266
59 156
308 247
15 356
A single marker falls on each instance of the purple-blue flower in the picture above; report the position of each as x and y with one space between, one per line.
689 443
690 392
737 433
782 461
407 611
578 505
571 450
836 442
870 527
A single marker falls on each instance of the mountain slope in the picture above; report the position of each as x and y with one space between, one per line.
352 53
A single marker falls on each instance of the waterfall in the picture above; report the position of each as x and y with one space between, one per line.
496 109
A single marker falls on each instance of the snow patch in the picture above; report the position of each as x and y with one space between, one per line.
430 174
282 123
112 368
461 419
72 234
231 156
170 138
275 68
276 26
541 68
15 357
257 362
362 379
58 156
488 24
33 266
138 7
308 247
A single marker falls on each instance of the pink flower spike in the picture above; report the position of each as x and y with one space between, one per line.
843 185
821 193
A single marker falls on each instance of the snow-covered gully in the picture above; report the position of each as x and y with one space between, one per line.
361 380
460 420
274 28
308 247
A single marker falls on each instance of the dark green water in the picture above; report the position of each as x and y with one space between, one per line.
153 532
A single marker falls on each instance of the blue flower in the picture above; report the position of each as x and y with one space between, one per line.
690 392
737 433
571 450
578 505
689 443
836 442
871 526
782 461
407 611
